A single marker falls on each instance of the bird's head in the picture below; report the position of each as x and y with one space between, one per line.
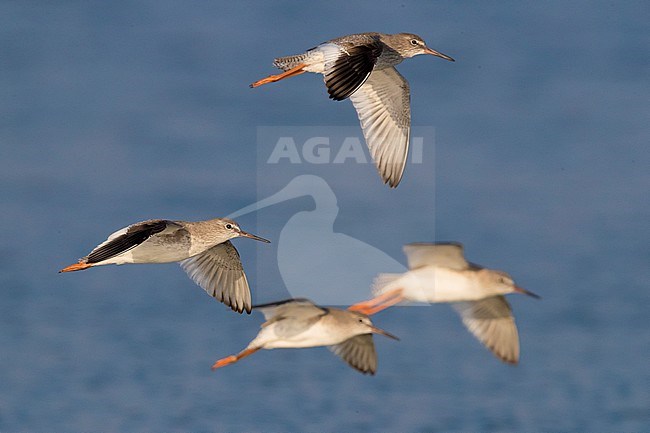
231 230
502 283
362 324
409 45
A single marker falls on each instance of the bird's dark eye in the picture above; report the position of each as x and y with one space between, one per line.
360 320
229 226
414 42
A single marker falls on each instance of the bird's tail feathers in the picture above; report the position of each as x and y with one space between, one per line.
288 62
382 283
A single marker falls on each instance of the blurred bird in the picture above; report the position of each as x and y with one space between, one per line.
438 272
202 248
296 323
362 67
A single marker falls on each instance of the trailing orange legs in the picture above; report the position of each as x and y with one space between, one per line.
76 267
273 78
378 303
234 358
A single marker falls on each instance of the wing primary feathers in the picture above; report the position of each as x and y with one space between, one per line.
132 238
350 70
220 273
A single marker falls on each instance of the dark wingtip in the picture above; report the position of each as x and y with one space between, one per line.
336 97
237 309
232 305
510 361
388 180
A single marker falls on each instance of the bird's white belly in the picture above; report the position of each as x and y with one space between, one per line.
438 284
313 336
318 68
151 252
317 58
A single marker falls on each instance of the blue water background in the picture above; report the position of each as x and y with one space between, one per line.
115 112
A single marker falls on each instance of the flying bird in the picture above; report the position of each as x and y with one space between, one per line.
438 272
362 67
203 249
296 323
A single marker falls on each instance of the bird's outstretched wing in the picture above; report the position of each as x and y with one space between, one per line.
128 238
299 308
492 323
358 352
383 107
220 273
447 254
347 68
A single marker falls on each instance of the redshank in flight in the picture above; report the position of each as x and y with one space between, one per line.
202 248
438 272
362 67
297 323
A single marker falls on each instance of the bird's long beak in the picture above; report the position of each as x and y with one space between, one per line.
438 54
526 292
376 330
252 236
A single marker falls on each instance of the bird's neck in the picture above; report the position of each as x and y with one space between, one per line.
206 234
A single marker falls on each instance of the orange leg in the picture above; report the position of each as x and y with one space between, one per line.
273 78
378 303
234 358
76 267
